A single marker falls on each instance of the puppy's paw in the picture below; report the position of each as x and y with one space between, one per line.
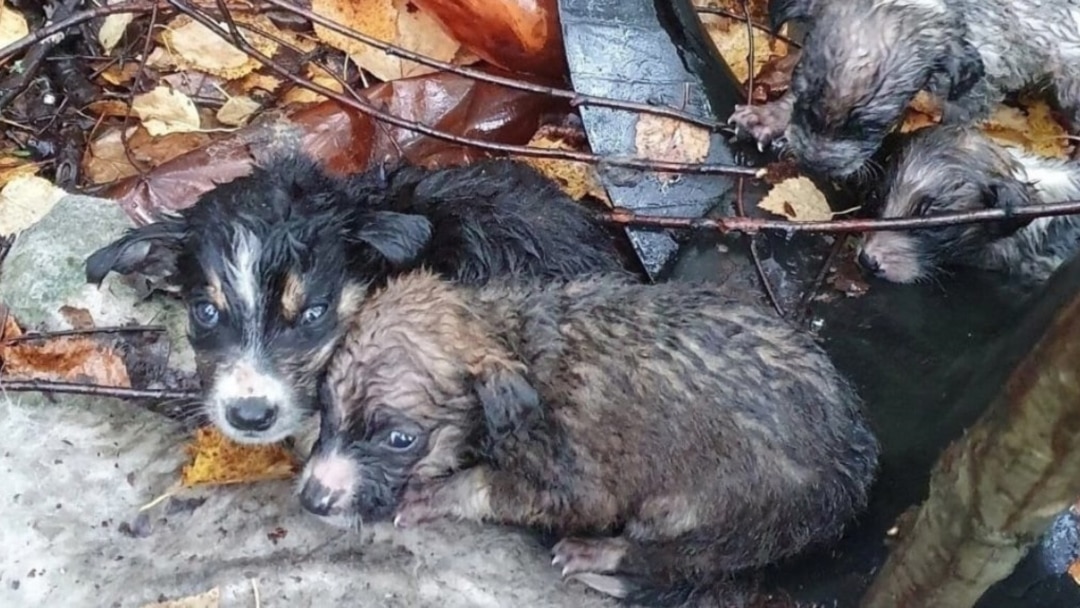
588 555
417 507
764 124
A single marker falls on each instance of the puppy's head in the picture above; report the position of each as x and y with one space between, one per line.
404 400
943 170
269 266
862 64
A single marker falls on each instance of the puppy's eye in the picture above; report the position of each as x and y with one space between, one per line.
205 314
400 441
312 314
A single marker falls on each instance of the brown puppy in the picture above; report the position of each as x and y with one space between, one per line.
699 437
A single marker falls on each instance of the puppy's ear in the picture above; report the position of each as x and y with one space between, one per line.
1006 194
398 237
508 399
782 11
963 66
150 250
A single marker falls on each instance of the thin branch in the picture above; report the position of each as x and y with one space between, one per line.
751 225
819 280
576 99
58 27
720 12
48 335
367 108
97 390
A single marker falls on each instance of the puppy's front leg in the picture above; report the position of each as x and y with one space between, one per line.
463 495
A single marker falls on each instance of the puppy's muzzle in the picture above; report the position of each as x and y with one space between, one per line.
319 499
251 414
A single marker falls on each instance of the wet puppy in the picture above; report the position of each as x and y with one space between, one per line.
271 264
952 169
864 60
673 436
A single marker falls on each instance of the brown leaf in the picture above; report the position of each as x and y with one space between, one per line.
516 35
774 78
216 460
79 318
64 359
389 21
923 111
348 141
194 46
1034 128
106 162
731 39
575 179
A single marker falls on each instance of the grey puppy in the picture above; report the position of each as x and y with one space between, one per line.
672 436
950 169
864 60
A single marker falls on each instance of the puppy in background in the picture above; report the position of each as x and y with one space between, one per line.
674 437
272 265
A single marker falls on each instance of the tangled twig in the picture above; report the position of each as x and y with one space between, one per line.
96 390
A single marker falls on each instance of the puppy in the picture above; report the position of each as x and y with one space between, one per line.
864 60
272 264
673 436
952 169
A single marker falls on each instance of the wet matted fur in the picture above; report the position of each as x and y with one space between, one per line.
948 169
271 265
673 436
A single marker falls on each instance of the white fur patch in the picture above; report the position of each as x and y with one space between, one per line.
242 380
336 472
241 269
1055 180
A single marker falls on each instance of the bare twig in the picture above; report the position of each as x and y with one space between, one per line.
819 280
48 335
362 105
97 390
74 19
720 12
751 225
770 294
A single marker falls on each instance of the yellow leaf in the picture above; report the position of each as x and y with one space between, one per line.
236 111
729 35
24 200
670 139
194 46
216 460
797 199
317 75
393 21
164 111
575 179
112 29
210 599
923 111
12 25
1032 128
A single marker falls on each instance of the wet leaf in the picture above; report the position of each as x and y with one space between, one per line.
797 199
1034 128
12 166
923 111
663 138
575 179
237 110
192 45
210 599
78 318
24 200
300 95
107 162
12 25
516 35
164 111
61 359
732 40
113 28
390 21
216 460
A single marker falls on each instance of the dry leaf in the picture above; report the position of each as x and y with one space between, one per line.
264 82
237 110
78 318
194 46
105 160
216 460
670 139
164 111
24 200
13 166
113 28
316 74
797 199
390 21
108 107
1033 128
730 37
120 73
575 179
210 599
12 25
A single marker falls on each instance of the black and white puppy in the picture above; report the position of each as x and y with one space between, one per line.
271 265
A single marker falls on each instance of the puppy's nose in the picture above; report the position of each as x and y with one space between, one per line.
869 262
251 414
317 498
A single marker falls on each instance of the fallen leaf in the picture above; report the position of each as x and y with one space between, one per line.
194 46
317 75
797 199
120 73
163 111
263 82
774 77
923 111
1033 128
24 200
12 166
670 139
12 25
113 28
108 107
78 318
64 359
9 327
105 160
237 110
729 35
1074 571
210 599
216 460
575 179
390 21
